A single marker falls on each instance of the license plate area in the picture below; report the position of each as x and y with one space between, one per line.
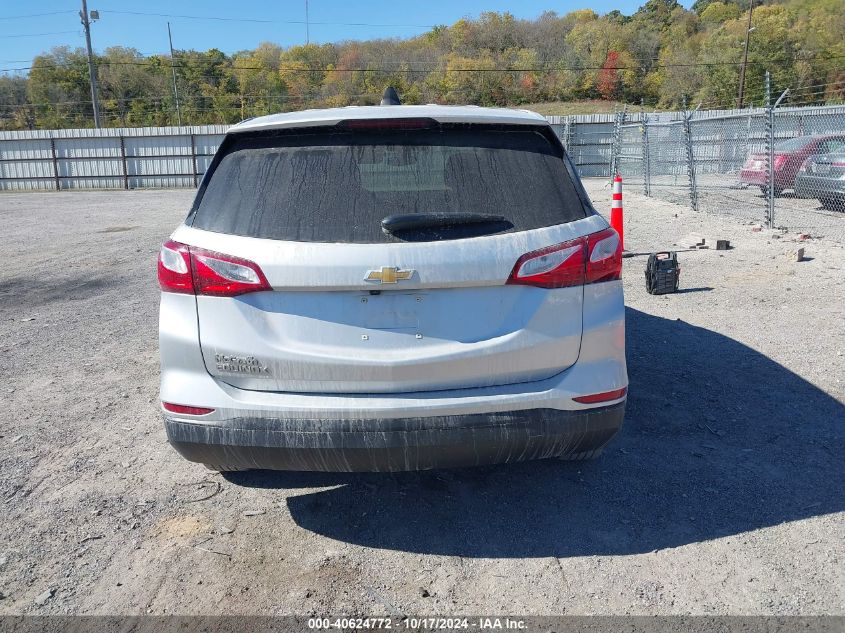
387 311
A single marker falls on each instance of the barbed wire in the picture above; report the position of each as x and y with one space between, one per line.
438 66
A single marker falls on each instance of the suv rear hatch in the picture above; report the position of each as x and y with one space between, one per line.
387 247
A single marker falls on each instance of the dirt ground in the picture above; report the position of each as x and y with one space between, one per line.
723 494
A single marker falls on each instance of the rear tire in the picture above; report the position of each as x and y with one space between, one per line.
833 204
583 456
778 191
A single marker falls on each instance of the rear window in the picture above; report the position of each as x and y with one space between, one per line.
793 144
336 185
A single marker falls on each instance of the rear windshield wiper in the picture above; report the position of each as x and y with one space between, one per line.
411 221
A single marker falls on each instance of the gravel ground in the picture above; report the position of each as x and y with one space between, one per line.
721 495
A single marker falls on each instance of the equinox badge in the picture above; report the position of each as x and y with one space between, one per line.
388 275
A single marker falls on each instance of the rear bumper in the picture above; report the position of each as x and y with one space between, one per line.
753 177
760 178
394 431
815 187
393 444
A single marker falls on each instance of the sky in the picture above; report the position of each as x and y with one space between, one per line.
23 34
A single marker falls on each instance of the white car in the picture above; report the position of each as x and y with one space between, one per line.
391 288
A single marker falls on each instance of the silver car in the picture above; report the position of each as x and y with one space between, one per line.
823 177
391 288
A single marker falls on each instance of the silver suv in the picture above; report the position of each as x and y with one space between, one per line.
391 288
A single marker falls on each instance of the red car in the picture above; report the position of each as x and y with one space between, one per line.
788 158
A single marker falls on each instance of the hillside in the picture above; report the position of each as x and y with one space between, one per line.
660 56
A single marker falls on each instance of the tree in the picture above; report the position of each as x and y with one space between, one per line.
59 89
718 12
662 54
13 110
260 87
133 90
609 81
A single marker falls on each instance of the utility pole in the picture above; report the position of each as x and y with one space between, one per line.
748 30
92 70
307 25
173 71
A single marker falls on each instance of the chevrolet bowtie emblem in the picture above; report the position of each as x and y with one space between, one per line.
388 275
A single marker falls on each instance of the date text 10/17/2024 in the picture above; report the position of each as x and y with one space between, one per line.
418 623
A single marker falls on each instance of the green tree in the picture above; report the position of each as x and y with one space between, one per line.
14 110
59 89
133 90
662 54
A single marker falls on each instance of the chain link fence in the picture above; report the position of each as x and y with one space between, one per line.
666 152
780 168
777 167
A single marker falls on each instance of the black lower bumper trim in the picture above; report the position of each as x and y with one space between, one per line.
394 444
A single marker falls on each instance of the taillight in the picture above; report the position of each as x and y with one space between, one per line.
191 270
780 159
174 268
219 275
184 409
551 267
590 259
604 262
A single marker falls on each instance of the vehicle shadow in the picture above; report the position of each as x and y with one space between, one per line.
718 440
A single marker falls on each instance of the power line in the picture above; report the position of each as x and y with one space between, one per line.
34 15
231 96
233 100
815 86
712 104
436 66
265 21
40 34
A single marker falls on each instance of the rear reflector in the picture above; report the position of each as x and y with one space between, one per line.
185 409
605 396
591 259
190 270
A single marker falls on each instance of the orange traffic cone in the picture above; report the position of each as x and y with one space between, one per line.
616 211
